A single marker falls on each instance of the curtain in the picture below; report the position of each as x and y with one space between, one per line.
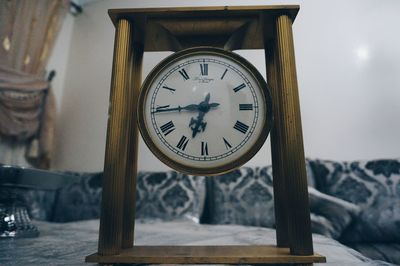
28 30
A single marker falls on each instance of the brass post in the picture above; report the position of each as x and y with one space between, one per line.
299 225
280 193
133 144
110 234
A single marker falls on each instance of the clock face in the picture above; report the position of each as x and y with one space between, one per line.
204 111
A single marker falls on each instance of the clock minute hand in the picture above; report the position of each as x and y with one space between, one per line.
190 107
197 124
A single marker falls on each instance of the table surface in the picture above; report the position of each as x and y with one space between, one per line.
69 243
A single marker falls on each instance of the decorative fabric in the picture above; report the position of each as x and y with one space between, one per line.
28 32
39 203
164 195
27 108
27 111
379 251
243 196
310 174
330 215
321 225
379 223
79 200
170 195
21 103
372 185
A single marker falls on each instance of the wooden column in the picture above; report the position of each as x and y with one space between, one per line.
110 235
280 192
133 143
290 129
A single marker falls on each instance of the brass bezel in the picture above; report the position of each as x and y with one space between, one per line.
212 170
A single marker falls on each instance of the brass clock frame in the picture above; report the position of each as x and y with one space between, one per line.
266 100
174 29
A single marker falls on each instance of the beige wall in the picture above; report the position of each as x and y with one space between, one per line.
348 63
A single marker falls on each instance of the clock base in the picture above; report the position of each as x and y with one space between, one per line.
262 254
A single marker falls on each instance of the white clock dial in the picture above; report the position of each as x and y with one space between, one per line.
204 111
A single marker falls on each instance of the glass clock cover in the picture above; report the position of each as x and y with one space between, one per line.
204 111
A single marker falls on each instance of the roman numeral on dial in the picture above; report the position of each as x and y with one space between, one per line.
238 88
184 74
204 148
241 127
204 69
168 88
227 144
182 143
167 128
245 107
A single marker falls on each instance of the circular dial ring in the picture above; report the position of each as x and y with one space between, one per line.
203 107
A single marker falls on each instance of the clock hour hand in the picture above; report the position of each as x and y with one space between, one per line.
197 124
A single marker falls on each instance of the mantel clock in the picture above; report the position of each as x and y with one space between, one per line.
204 110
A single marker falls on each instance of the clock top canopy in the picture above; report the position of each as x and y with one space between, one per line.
177 28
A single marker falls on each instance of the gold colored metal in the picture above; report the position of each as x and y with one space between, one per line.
204 51
111 219
206 255
135 80
174 29
280 192
290 141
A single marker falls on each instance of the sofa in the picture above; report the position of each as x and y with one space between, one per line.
356 203
374 186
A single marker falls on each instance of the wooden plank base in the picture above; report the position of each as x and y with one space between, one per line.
205 255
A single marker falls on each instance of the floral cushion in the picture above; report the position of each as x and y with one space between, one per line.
164 195
372 185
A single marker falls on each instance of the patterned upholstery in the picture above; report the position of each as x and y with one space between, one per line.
330 216
170 195
164 195
79 200
389 252
372 185
39 203
243 196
